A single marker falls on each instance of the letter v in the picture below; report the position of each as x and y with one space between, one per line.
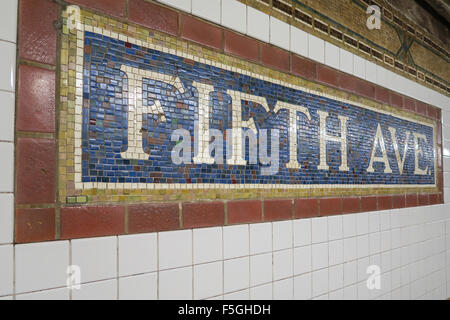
400 160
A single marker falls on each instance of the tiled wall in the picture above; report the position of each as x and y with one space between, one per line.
319 258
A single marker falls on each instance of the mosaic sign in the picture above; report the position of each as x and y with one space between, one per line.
149 117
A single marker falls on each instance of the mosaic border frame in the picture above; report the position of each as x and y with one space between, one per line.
70 96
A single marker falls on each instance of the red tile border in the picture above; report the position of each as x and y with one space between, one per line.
304 68
306 208
153 16
37 35
244 211
351 205
396 99
382 95
95 221
330 206
112 7
153 217
36 100
241 46
399 201
327 75
275 57
35 225
203 214
411 200
385 202
369 203
36 171
277 210
201 32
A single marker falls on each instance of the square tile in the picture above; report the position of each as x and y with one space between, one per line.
96 257
141 287
138 254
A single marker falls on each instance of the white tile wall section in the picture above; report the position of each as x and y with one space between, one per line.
258 24
299 42
8 36
316 48
208 9
97 258
280 33
234 15
411 247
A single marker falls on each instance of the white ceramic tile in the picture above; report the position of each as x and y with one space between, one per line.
350 273
350 249
351 293
234 15
282 235
260 269
302 260
299 41
184 5
362 244
385 220
175 249
41 265
335 227
6 269
236 274
336 277
371 71
102 290
207 244
7 66
282 264
175 284
138 254
362 223
349 225
258 24
319 229
239 295
336 252
208 280
260 238
332 55
50 295
319 282
374 221
362 269
6 218
7 106
302 232
316 48
302 287
374 243
8 20
96 257
283 290
141 287
235 241
359 67
263 292
337 295
208 9
7 166
381 76
319 256
345 61
279 33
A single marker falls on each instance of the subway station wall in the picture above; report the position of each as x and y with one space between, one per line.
115 106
